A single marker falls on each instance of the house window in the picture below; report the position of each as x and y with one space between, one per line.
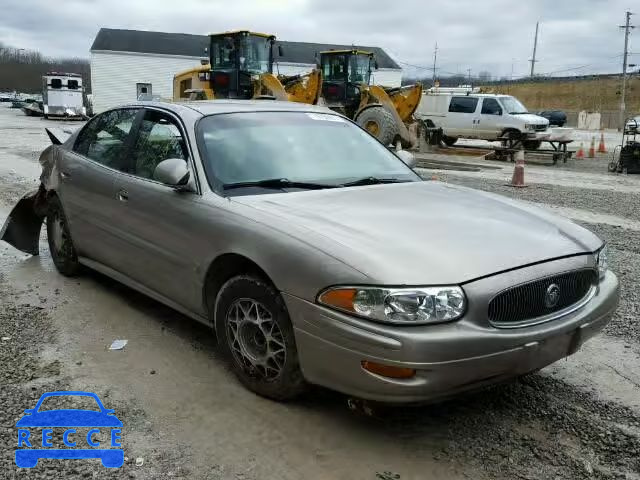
56 83
72 84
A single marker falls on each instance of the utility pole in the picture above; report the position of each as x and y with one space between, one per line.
469 72
535 50
435 59
627 29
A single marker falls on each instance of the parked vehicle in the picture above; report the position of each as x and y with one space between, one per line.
315 253
633 125
63 95
556 118
464 113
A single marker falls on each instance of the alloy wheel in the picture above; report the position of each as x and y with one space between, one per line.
256 341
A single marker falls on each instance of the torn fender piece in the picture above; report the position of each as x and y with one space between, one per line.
22 227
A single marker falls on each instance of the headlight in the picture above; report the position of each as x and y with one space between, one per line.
529 127
409 306
602 257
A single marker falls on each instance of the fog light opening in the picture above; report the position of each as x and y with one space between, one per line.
388 370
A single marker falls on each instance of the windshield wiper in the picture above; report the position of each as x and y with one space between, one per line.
371 181
278 183
518 113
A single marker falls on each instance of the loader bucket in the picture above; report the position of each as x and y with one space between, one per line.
22 227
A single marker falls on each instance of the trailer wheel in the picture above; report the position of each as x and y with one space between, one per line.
380 123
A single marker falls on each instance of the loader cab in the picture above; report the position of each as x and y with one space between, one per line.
236 59
344 72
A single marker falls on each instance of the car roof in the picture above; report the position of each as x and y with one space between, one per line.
212 107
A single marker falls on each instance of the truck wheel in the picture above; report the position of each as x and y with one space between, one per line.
380 123
449 141
256 335
531 144
61 246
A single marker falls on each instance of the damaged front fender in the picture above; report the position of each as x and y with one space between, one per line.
22 227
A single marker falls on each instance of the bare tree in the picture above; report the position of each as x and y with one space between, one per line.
22 70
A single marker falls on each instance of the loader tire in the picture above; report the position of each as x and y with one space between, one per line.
380 123
449 141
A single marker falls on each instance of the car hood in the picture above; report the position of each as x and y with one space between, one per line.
423 232
69 418
532 118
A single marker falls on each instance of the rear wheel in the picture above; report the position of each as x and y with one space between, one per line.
449 141
380 123
61 246
256 334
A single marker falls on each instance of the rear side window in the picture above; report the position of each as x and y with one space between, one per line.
56 83
104 138
463 104
72 84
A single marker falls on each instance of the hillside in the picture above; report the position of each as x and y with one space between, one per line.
601 94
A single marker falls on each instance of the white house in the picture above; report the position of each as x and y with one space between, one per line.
126 63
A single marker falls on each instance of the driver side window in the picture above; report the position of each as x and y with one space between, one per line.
159 138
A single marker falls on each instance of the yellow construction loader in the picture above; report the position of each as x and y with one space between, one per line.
241 66
386 113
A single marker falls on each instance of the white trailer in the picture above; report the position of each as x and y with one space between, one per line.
63 95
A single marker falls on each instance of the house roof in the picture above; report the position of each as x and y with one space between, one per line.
162 43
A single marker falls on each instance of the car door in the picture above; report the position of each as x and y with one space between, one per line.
488 122
461 116
156 219
86 183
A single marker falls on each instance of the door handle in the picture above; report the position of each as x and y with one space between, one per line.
64 175
122 195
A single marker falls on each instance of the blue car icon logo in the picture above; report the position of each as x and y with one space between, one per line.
69 419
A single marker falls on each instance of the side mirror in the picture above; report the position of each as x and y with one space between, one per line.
280 51
172 172
407 157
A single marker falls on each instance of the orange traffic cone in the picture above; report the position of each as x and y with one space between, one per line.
602 148
592 148
518 171
580 153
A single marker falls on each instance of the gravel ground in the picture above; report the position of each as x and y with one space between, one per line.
25 375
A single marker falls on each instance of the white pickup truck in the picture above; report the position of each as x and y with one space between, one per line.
462 113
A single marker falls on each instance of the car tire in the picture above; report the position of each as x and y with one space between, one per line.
256 335
380 123
61 246
449 141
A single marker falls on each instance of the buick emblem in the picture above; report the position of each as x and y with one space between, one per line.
552 296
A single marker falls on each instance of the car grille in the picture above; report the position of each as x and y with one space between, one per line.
539 128
526 303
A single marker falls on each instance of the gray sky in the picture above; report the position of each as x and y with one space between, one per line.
481 35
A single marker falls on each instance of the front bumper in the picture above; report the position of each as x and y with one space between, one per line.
449 358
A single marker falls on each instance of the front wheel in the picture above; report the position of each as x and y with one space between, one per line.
449 141
61 246
380 123
256 334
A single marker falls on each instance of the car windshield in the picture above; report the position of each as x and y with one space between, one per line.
513 106
297 147
359 69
